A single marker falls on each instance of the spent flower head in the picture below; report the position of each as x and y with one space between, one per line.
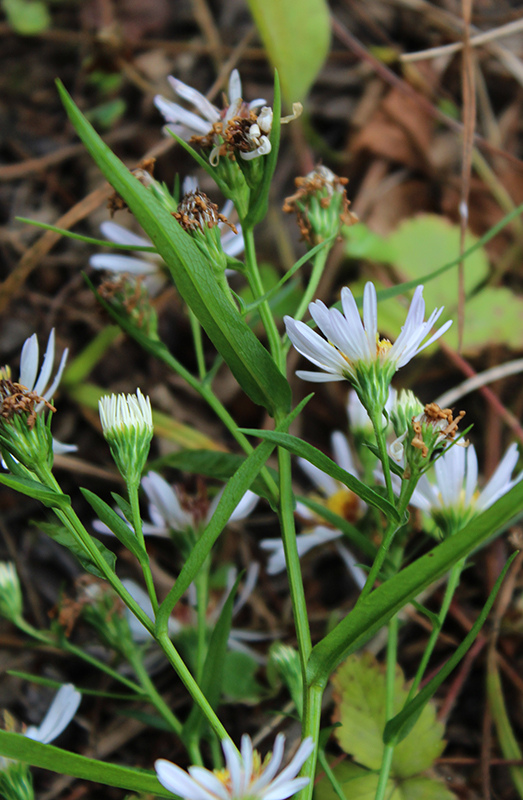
354 351
320 204
200 217
11 603
127 425
245 776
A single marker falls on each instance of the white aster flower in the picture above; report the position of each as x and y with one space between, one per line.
454 497
61 711
40 382
353 351
335 496
232 129
245 776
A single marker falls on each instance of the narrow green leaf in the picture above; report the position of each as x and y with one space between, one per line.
296 37
87 239
213 669
213 464
249 361
233 492
399 726
38 491
64 537
374 611
116 524
45 756
305 450
41 681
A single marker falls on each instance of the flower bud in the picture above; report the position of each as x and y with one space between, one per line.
127 425
24 433
285 661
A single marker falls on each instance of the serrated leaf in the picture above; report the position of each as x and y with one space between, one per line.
296 37
305 450
249 361
424 789
357 784
359 686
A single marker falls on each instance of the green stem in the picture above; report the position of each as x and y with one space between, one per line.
381 441
378 561
390 678
202 600
256 285
310 291
155 698
64 644
144 563
198 344
190 684
452 585
311 727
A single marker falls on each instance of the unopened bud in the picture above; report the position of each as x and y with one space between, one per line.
127 425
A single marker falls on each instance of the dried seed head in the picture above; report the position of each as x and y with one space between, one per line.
196 212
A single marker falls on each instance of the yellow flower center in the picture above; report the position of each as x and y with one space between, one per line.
382 347
344 503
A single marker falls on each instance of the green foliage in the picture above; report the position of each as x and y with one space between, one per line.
375 610
36 490
61 535
250 362
27 17
359 684
297 38
46 756
239 682
116 524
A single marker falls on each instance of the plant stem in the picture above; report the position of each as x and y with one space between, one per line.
311 727
390 678
317 271
378 561
202 600
144 563
190 684
255 282
377 422
155 698
452 585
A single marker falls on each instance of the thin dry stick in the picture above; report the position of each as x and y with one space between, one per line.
482 379
469 124
475 41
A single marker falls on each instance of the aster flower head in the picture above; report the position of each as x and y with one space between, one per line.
452 497
320 204
353 350
245 776
127 425
420 429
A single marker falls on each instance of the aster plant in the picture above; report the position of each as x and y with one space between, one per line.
397 455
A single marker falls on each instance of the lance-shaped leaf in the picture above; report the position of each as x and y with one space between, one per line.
46 756
314 456
376 609
249 361
38 491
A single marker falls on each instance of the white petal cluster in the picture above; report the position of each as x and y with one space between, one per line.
244 776
60 713
349 343
119 412
187 124
456 482
40 382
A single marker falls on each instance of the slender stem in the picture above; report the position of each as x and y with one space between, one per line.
378 561
198 344
144 563
135 659
49 638
202 600
190 684
452 585
311 727
317 271
322 758
381 441
390 678
255 282
292 559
